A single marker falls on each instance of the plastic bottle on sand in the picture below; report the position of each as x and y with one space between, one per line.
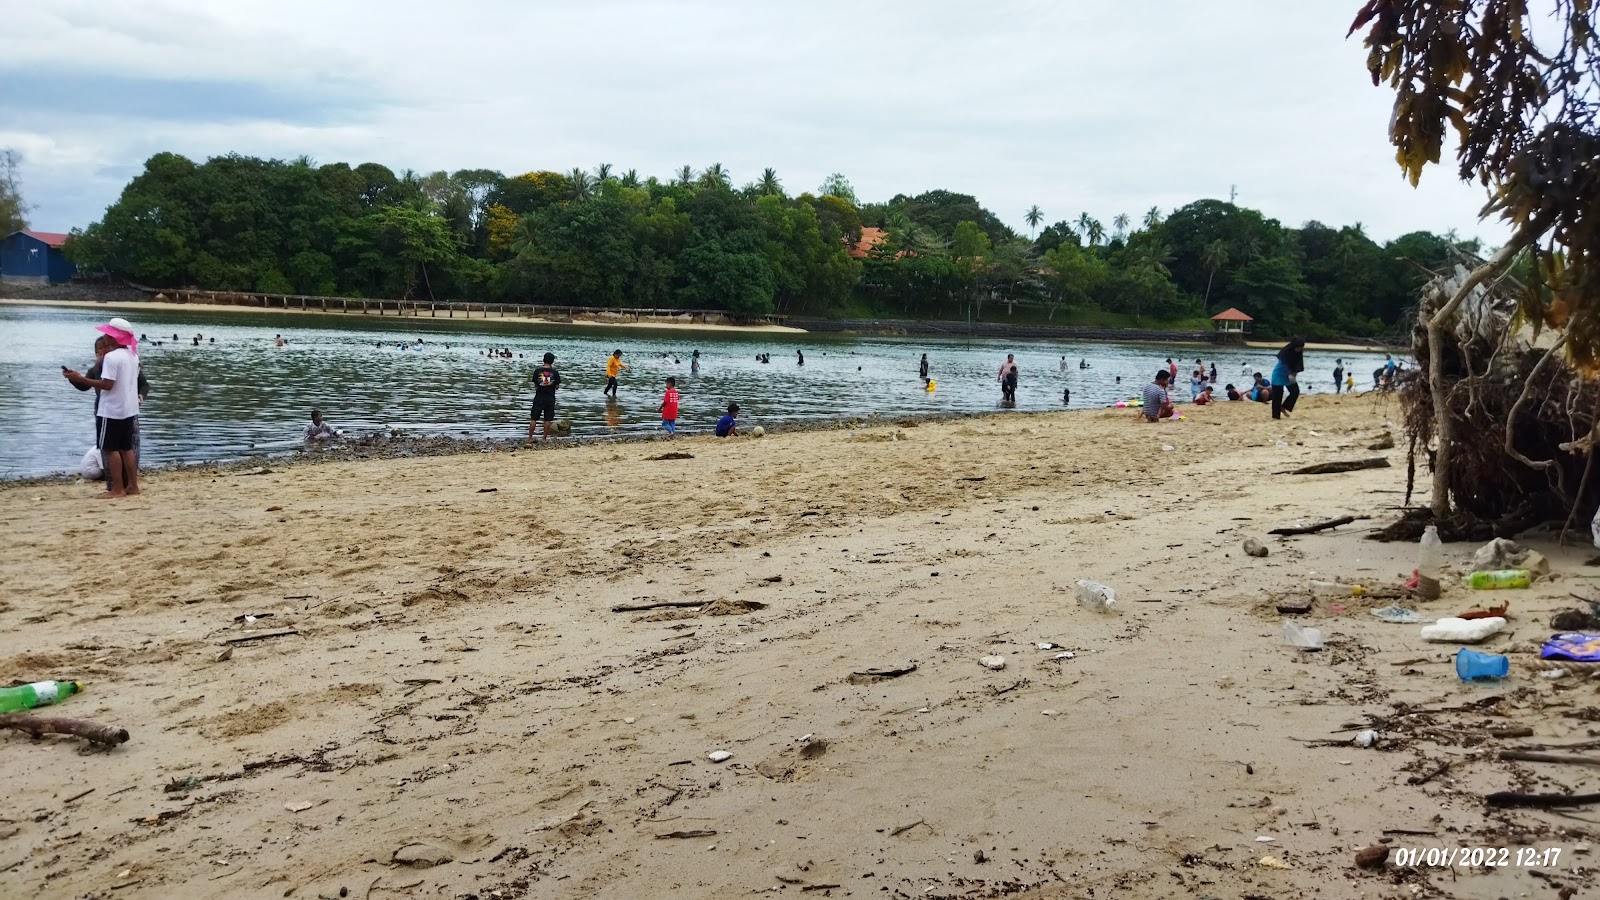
1430 556
1502 578
1336 589
40 693
1301 637
1097 596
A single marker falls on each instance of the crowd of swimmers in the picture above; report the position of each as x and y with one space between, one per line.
1280 390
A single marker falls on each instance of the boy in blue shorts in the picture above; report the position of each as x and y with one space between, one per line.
669 408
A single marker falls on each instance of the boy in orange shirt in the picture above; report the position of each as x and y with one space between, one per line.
669 408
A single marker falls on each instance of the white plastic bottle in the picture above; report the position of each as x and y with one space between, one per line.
1300 637
1097 596
1430 556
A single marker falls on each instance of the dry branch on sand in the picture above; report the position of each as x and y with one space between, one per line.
108 735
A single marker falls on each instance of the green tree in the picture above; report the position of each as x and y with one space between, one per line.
1033 217
836 185
1152 217
969 242
13 211
769 185
415 240
685 177
1074 278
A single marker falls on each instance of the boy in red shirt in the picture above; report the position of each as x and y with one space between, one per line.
669 408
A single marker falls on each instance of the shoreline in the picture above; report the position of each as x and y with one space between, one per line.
166 306
393 445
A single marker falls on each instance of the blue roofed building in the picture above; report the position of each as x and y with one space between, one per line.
35 257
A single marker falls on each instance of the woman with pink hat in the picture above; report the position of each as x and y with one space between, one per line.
119 408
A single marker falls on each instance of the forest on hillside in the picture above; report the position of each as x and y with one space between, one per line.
695 241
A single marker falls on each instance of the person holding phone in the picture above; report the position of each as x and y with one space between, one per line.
118 405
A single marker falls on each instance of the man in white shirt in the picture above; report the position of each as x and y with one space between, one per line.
119 408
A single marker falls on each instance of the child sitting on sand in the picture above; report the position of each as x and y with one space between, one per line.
728 425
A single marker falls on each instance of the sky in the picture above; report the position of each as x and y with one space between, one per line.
1074 105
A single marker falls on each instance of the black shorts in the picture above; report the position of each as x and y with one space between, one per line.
611 383
543 408
119 435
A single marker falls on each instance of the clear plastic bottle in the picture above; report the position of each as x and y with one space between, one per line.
1097 596
40 693
1502 578
1300 637
1430 556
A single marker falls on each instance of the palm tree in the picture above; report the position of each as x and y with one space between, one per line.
629 179
1213 257
1154 256
685 176
580 187
769 184
1152 218
715 176
1033 217
602 173
1249 246
1083 223
1120 223
1096 232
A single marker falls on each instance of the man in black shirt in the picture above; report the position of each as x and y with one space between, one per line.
545 382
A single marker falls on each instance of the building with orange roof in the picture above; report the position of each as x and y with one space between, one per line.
1232 321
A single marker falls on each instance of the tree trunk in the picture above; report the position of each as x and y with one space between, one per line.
1444 428
1206 303
1444 431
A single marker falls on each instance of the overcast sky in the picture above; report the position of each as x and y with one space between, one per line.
1097 105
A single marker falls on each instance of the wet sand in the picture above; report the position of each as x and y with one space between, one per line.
461 680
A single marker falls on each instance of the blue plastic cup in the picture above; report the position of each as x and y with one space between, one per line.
1472 665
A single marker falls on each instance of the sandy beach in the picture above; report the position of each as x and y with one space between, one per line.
463 689
147 307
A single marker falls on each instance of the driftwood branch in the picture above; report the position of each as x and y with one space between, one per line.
1313 529
1505 799
1530 756
262 636
1333 468
665 604
109 735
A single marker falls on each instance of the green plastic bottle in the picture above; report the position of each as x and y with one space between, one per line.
1503 578
40 693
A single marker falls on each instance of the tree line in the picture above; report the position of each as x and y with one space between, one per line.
695 241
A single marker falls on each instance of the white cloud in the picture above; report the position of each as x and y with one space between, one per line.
1074 106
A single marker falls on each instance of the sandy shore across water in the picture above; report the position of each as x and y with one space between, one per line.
464 689
155 307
